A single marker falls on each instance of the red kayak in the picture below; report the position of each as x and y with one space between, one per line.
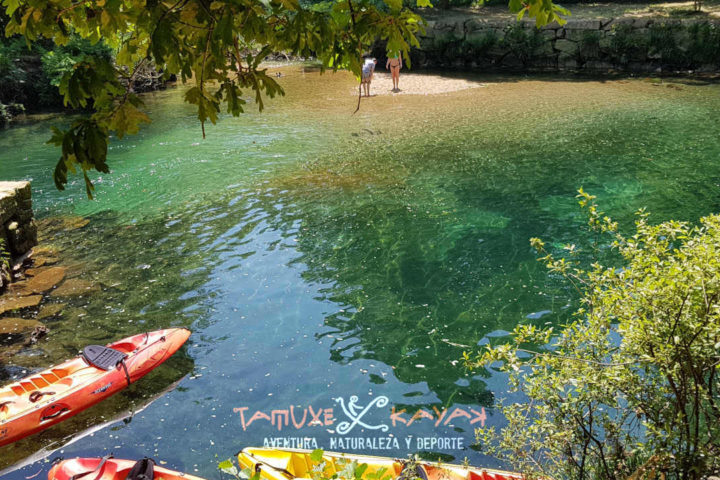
49 397
113 469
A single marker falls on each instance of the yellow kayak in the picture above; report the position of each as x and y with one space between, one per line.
288 463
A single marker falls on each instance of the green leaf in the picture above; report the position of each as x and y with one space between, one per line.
127 119
316 455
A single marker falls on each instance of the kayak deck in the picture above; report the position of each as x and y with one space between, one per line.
111 469
284 464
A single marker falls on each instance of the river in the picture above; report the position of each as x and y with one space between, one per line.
320 255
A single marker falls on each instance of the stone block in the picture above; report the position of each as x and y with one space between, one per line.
583 24
567 64
643 22
577 35
565 46
598 66
550 35
16 225
605 23
475 24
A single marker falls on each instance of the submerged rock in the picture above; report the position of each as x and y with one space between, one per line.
45 251
16 303
15 330
42 260
50 310
18 325
43 281
51 226
74 287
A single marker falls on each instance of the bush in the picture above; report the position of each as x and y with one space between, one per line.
588 46
30 75
703 44
523 43
626 43
663 42
629 389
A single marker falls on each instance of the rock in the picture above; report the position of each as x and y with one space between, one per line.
566 46
23 261
583 24
42 260
18 325
43 281
31 272
37 333
50 310
74 287
75 269
62 223
13 330
45 250
16 303
17 227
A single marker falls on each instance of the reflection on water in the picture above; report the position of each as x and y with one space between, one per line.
319 255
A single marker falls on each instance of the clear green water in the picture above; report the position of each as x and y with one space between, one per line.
318 254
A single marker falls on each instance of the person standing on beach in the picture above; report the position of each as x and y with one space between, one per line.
367 74
395 64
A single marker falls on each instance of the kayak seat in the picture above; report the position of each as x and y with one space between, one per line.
102 357
105 358
142 470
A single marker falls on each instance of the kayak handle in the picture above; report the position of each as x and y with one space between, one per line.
56 414
35 396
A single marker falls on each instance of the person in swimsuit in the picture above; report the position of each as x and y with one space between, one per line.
367 74
395 64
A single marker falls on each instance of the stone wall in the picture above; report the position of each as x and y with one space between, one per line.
639 44
17 226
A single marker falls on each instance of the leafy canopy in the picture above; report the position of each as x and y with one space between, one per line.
629 388
216 44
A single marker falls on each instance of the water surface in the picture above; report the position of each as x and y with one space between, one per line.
319 255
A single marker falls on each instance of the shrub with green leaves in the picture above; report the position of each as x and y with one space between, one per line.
630 387
703 44
663 42
523 42
62 59
626 43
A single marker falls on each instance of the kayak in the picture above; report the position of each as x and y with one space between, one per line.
53 395
288 463
113 469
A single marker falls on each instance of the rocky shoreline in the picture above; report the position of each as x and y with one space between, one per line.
40 290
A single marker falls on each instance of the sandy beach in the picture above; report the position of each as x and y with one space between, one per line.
419 84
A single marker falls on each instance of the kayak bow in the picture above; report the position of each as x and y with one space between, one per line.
107 469
49 397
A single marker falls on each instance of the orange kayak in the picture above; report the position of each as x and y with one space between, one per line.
107 469
49 397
